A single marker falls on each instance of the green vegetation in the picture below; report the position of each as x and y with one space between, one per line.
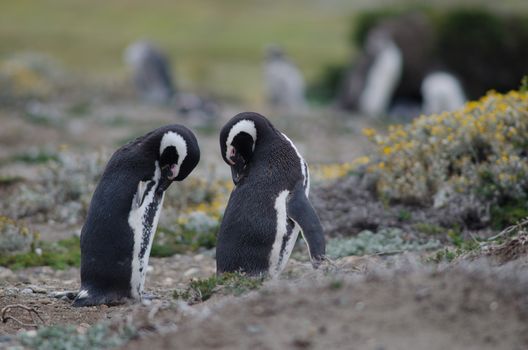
60 255
429 229
404 215
200 290
524 84
37 156
197 231
216 46
508 213
385 241
7 180
99 336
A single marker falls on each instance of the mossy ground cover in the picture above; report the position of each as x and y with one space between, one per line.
200 290
60 255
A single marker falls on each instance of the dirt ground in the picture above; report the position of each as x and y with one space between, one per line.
355 303
370 302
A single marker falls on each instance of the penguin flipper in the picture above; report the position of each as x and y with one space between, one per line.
300 210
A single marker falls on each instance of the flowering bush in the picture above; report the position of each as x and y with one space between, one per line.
479 150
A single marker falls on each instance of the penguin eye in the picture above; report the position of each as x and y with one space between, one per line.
232 152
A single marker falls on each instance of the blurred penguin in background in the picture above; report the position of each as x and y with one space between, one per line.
152 74
442 92
284 83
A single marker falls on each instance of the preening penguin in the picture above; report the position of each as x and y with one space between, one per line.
269 205
117 236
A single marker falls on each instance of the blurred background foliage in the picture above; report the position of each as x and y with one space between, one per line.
219 46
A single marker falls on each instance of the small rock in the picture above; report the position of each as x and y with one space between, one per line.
493 306
254 328
27 291
191 271
31 333
83 328
301 343
12 291
360 306
37 289
6 273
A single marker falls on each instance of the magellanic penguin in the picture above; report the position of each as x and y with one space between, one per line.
117 236
269 205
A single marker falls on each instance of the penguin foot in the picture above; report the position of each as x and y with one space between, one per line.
87 298
64 295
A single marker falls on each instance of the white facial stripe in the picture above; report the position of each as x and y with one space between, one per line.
173 139
244 125
304 167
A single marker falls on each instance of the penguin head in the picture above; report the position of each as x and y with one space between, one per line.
178 154
239 138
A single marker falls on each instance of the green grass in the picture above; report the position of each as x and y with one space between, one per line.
200 290
429 229
167 242
216 45
59 255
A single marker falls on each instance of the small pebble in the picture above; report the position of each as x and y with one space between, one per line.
37 289
27 291
191 271
254 328
32 333
493 306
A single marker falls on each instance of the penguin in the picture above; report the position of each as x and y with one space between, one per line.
269 205
123 215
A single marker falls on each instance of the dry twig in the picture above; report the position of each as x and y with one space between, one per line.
510 229
30 310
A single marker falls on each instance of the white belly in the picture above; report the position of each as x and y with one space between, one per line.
143 233
284 243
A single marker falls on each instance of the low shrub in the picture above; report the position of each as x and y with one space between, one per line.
200 290
478 151
385 241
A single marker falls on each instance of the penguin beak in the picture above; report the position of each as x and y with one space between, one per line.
238 168
173 172
168 174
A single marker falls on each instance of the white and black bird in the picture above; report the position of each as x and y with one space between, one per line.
117 236
269 205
